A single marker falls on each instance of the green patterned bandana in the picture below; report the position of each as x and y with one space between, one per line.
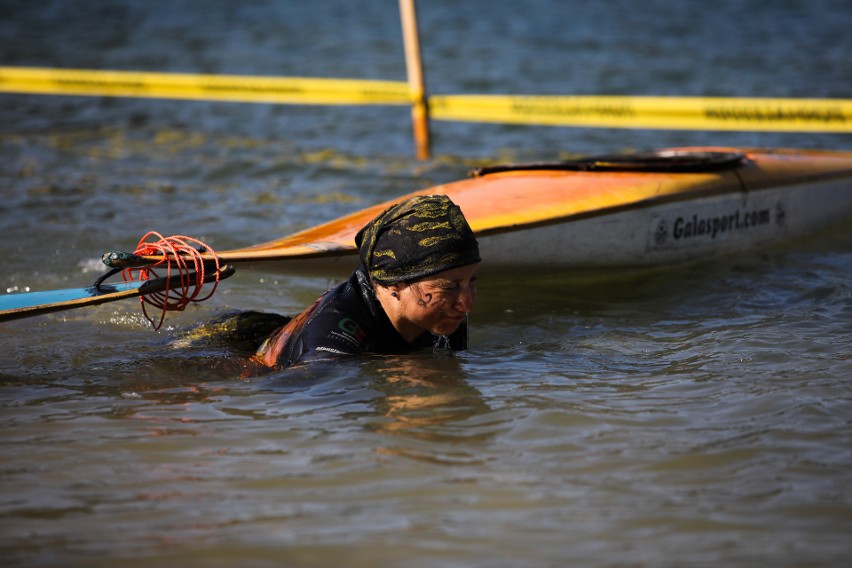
419 237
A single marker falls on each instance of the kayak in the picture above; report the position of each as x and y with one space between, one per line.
629 210
608 212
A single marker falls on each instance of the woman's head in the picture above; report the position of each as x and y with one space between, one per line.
419 237
423 259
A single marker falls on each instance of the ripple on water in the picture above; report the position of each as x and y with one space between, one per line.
694 415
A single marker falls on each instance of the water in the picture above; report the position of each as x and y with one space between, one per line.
692 416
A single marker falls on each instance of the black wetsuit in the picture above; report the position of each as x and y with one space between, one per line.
347 320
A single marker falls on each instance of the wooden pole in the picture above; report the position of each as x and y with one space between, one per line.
416 83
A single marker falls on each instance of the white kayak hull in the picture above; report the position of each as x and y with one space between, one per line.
675 232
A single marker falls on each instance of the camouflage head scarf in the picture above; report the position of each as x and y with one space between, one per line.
419 237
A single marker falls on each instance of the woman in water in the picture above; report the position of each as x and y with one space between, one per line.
414 287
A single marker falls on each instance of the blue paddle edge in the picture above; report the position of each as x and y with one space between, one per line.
27 304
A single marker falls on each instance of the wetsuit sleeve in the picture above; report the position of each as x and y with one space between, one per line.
314 334
331 333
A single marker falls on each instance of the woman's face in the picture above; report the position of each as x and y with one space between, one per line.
439 303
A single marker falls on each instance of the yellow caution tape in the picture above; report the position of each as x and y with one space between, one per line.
232 88
689 113
676 113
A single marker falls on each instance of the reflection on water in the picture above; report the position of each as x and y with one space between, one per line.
426 398
681 416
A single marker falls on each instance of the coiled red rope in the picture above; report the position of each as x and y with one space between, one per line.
182 258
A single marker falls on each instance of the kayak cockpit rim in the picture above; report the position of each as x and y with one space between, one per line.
657 161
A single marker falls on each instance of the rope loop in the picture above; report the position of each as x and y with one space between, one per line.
182 257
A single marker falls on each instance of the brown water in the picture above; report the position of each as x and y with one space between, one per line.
689 416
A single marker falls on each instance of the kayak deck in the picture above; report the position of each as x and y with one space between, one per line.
518 198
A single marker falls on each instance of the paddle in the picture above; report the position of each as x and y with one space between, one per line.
28 304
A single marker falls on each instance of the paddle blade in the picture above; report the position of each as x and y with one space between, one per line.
29 304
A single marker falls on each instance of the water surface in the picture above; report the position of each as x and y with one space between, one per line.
687 416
